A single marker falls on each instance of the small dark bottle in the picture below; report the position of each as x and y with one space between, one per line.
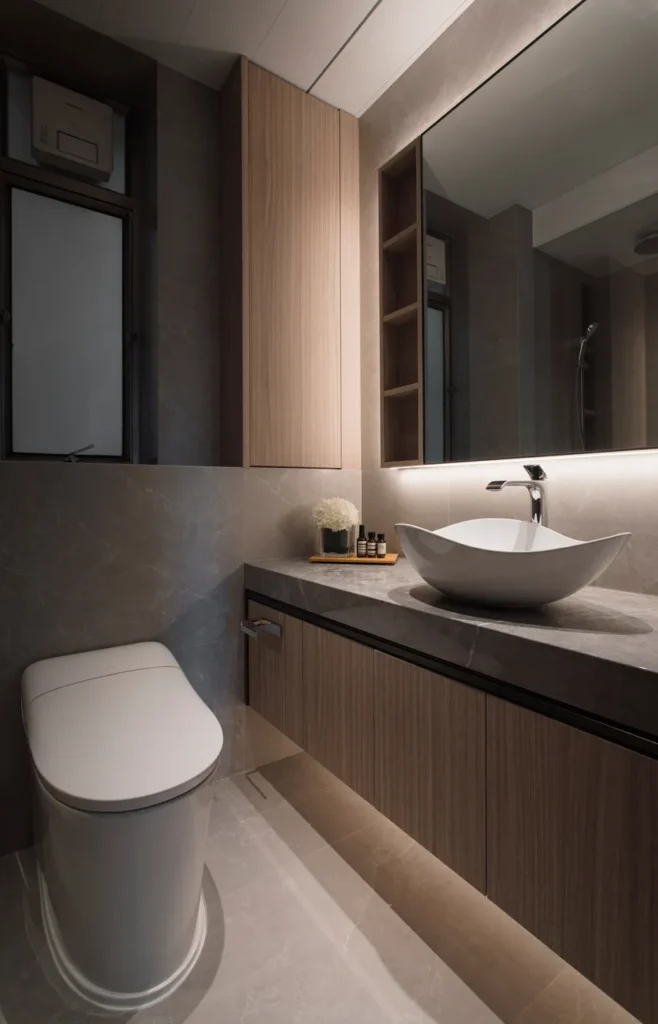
361 543
372 546
381 545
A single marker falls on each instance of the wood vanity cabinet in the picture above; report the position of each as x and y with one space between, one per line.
275 672
429 762
289 299
572 848
409 741
338 707
557 826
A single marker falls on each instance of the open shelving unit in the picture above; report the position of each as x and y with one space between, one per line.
401 308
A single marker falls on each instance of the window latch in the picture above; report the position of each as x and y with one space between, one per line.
73 456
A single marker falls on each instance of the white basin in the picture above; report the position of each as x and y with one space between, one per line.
505 561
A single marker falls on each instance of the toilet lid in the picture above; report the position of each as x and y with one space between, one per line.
122 738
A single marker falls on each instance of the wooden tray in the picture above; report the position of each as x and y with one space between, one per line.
353 560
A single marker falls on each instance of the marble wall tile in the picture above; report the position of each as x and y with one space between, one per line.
278 506
586 497
96 555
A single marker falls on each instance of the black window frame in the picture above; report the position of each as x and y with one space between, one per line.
58 185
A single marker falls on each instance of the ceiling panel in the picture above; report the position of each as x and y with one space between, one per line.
391 39
149 20
208 66
87 12
358 47
306 36
230 26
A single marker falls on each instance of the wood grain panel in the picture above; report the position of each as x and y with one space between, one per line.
572 851
430 764
403 746
275 672
350 292
338 702
294 277
233 337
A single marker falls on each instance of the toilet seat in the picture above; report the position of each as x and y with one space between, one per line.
118 729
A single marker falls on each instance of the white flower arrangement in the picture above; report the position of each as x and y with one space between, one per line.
335 514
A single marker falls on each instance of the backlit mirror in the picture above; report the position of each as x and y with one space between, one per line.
540 206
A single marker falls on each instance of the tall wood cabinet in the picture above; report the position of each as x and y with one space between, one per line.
290 313
572 848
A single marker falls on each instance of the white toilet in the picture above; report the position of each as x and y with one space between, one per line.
121 746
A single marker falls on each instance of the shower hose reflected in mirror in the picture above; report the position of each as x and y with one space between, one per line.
579 396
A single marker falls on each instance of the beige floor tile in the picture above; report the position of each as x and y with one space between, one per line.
249 741
400 971
571 999
249 793
245 845
279 966
264 744
497 959
370 930
30 990
329 806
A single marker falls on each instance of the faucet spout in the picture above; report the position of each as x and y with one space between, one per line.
535 489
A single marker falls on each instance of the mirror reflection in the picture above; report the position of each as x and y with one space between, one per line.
540 199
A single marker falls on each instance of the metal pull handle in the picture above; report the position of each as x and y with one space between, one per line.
254 627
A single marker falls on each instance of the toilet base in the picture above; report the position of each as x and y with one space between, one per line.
102 998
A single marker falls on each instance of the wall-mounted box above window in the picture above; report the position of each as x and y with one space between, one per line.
71 132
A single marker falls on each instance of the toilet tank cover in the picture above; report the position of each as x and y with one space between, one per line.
117 729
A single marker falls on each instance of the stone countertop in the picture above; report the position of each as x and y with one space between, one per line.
596 652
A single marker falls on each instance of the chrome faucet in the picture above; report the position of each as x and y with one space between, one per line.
535 489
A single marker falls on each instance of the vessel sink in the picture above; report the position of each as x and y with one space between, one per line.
506 562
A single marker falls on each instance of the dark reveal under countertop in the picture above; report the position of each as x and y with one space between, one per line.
596 652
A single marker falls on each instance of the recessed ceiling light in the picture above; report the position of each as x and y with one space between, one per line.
647 245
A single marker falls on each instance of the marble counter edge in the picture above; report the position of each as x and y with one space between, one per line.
614 690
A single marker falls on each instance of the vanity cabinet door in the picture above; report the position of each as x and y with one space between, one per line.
275 672
572 848
338 705
429 762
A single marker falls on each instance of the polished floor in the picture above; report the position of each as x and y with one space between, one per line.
319 911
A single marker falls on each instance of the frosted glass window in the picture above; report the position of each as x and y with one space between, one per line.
67 327
19 130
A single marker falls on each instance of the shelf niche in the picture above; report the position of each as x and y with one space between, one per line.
401 301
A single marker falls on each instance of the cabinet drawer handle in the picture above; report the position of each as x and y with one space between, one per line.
254 627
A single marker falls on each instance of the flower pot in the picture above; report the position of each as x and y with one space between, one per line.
336 542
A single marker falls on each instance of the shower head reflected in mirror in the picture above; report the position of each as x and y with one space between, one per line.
579 397
591 330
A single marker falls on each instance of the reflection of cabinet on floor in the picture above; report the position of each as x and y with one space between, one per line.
557 826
